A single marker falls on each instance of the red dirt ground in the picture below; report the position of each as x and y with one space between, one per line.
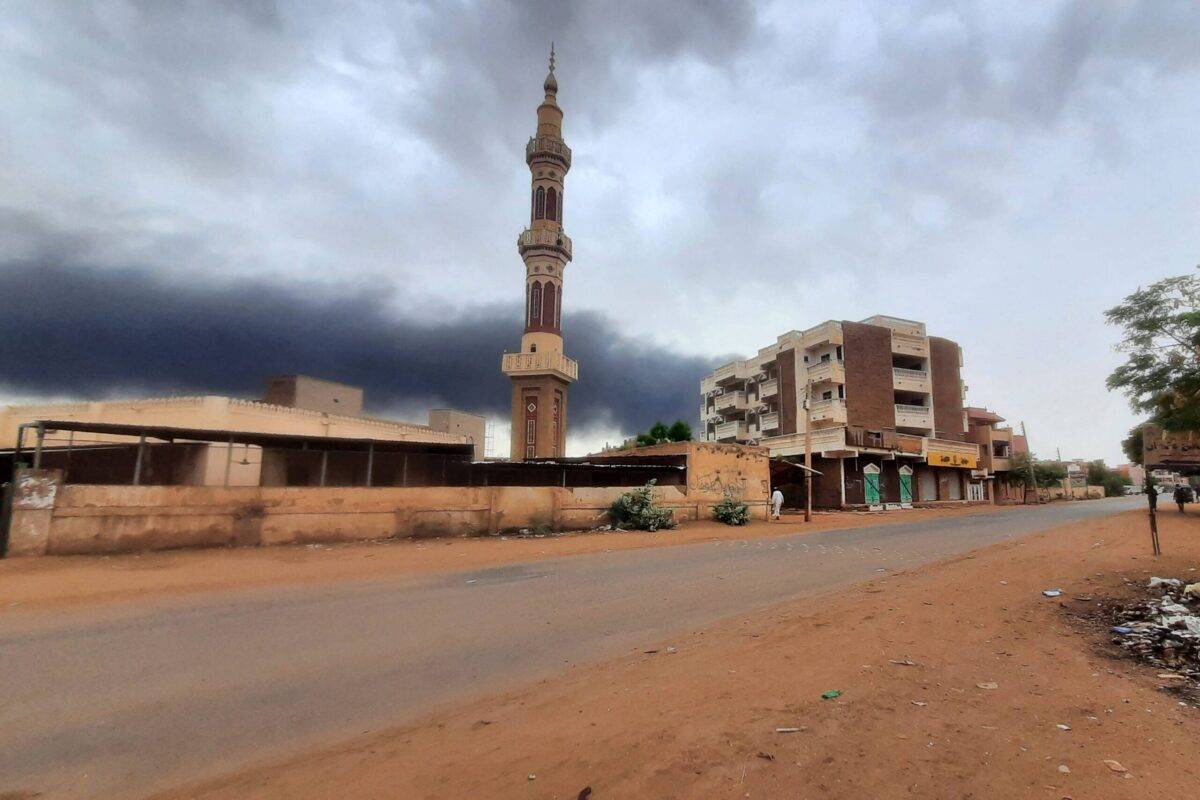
701 722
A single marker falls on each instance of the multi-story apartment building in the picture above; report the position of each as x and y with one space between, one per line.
996 451
888 423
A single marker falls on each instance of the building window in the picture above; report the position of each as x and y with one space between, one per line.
560 208
548 313
841 391
839 352
551 203
530 431
535 304
529 451
827 396
539 204
825 358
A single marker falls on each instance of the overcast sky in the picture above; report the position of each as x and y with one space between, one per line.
196 195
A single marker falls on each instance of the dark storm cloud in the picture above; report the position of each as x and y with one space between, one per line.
78 331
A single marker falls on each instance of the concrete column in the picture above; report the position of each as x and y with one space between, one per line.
34 496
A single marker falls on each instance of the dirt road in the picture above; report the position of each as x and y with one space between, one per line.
122 700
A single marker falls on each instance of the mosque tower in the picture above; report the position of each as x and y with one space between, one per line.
541 373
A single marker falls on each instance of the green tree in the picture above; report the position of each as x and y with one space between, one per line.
1161 337
1047 473
1114 483
659 433
680 431
1134 445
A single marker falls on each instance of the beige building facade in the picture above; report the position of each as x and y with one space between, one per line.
220 464
541 373
888 418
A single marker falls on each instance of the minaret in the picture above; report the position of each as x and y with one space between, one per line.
540 373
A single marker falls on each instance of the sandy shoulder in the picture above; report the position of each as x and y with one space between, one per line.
701 721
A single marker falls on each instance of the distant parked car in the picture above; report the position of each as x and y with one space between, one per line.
1132 490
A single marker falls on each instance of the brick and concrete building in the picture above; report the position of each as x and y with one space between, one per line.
996 453
540 372
888 419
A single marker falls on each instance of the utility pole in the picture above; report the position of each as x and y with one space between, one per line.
1029 461
807 450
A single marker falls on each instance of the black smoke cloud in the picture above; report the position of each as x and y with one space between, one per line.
69 330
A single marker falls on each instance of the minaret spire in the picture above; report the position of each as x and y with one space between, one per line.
541 373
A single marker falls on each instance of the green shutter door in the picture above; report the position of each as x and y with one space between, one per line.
905 488
872 488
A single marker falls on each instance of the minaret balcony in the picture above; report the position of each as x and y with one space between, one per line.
543 363
544 239
550 148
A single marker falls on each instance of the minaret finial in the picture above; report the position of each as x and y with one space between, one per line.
552 56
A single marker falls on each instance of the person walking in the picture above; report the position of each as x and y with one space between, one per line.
776 503
1183 494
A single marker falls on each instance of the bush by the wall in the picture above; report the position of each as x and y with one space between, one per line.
731 512
636 509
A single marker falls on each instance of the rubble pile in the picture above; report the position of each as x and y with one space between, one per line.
1164 631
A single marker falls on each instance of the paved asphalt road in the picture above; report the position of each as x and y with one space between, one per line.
120 701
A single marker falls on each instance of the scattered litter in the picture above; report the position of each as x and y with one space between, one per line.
584 793
1115 766
765 755
988 685
790 730
919 703
672 650
1171 676
1158 583
1062 727
1052 592
1192 590
472 580
483 723
881 569
531 777
649 652
831 694
904 662
1163 631
1064 769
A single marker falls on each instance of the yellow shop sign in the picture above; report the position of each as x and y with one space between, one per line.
944 458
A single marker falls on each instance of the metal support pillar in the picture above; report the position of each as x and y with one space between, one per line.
370 461
141 455
37 450
324 466
228 460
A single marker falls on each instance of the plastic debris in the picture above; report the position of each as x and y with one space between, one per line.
1064 769
1115 766
531 777
1062 727
919 703
584 793
1052 592
831 694
1163 631
988 685
789 730
904 662
765 756
1158 583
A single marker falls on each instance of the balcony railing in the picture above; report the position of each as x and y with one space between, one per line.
909 416
733 371
830 370
910 345
540 363
550 147
768 422
769 388
910 380
833 410
731 400
732 431
825 333
544 238
792 444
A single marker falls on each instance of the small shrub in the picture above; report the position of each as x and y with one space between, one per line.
731 511
635 509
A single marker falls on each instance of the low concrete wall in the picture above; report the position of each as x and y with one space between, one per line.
49 518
